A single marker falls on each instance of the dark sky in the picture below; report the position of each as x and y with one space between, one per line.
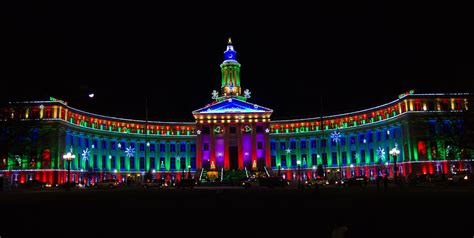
353 56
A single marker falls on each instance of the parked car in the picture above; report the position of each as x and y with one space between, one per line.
108 183
460 176
35 184
155 183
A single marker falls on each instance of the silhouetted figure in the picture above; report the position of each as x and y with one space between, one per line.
378 182
385 183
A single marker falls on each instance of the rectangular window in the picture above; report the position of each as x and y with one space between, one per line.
353 157
343 140
334 158
259 129
112 145
273 161
282 145
353 140
122 145
361 138
233 130
259 145
293 145
104 144
283 160
379 135
193 147
142 147
206 130
162 163
87 142
152 147
370 137
303 144
304 160
113 162
94 142
96 162
372 156
182 163
172 163
313 143
183 147
272 145
142 163
206 146
362 156
132 163
344 158
323 143
193 162
172 148
79 141
104 162
162 147
293 161
152 163
387 135
314 159
122 163
324 159
132 145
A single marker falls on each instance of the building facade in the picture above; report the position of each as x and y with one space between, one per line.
232 134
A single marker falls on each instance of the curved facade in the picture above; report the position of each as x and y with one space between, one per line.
231 134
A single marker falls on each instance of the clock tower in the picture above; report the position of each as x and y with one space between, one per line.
230 69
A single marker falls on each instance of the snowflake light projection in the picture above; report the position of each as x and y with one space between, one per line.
130 151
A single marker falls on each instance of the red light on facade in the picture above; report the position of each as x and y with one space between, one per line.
177 127
128 125
277 126
356 117
286 125
167 127
187 128
307 123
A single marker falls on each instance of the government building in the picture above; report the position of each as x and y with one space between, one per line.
417 133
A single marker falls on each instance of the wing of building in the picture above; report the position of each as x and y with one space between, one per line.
417 133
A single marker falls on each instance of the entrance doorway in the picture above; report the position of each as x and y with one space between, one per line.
233 157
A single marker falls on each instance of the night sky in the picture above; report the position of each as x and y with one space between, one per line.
352 56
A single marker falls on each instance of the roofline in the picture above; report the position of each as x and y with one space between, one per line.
266 108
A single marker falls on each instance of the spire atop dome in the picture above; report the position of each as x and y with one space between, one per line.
229 42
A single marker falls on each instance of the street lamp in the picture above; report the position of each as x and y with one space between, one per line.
69 157
189 171
298 163
395 152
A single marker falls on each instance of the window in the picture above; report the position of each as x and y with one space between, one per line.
370 137
387 135
95 144
334 158
259 145
86 142
112 145
152 163
272 145
313 143
323 143
233 130
293 145
283 160
193 147
314 159
96 162
361 138
132 145
293 161
353 140
344 158
206 130
362 156
206 146
259 129
324 159
142 163
122 144
343 140
142 147
104 162
162 147
304 160
379 135
172 148
193 162
152 147
132 163
173 163
183 147
122 162
273 161
282 145
104 144
182 163
79 141
353 157
371 156
303 144
113 163
162 163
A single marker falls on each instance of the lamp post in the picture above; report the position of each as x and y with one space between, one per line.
298 163
395 152
189 171
69 157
